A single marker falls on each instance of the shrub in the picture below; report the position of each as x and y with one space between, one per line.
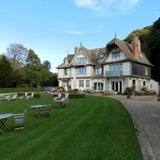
77 96
37 95
128 91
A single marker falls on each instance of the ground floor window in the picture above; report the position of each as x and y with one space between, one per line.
144 83
81 83
87 83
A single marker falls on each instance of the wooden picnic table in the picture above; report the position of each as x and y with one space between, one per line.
3 119
41 110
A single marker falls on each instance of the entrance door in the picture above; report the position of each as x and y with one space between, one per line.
116 86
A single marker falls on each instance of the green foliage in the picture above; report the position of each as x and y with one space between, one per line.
93 128
6 72
46 65
33 58
37 95
128 91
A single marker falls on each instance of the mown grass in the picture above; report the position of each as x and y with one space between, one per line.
92 128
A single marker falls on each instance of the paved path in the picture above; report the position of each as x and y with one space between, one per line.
145 112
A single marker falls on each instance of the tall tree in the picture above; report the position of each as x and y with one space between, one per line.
150 38
46 65
17 54
33 58
6 71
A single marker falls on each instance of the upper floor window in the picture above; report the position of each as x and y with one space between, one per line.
66 71
98 71
116 67
81 71
116 55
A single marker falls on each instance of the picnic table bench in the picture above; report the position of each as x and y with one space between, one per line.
42 110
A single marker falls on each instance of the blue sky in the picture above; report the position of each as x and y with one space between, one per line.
54 27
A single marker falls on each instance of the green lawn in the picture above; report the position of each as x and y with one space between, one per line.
92 128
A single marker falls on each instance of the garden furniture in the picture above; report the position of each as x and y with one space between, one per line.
19 120
3 119
42 110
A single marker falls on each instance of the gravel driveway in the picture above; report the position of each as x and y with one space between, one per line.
145 112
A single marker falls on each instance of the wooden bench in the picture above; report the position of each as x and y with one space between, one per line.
44 111
19 120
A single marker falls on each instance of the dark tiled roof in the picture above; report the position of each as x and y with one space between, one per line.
94 53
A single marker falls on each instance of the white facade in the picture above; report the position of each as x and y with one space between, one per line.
113 72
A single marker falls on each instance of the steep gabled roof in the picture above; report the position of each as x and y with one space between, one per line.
127 50
93 54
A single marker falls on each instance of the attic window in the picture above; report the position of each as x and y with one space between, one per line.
100 58
81 60
115 55
65 61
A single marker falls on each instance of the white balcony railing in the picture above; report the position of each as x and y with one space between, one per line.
114 73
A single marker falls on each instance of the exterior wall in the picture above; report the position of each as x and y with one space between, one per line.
60 73
139 83
153 85
127 68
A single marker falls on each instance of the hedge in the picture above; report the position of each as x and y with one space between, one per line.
77 96
19 89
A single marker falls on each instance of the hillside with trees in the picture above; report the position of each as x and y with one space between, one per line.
150 41
23 68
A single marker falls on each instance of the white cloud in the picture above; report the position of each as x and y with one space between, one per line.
101 5
93 4
73 32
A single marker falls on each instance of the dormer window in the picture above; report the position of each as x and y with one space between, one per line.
65 61
100 58
81 60
116 55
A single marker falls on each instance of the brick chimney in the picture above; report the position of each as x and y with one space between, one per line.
136 46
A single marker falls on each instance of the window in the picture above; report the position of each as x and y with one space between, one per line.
65 71
146 71
66 61
116 55
87 83
98 71
144 83
116 67
81 60
100 58
81 71
81 83
133 82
